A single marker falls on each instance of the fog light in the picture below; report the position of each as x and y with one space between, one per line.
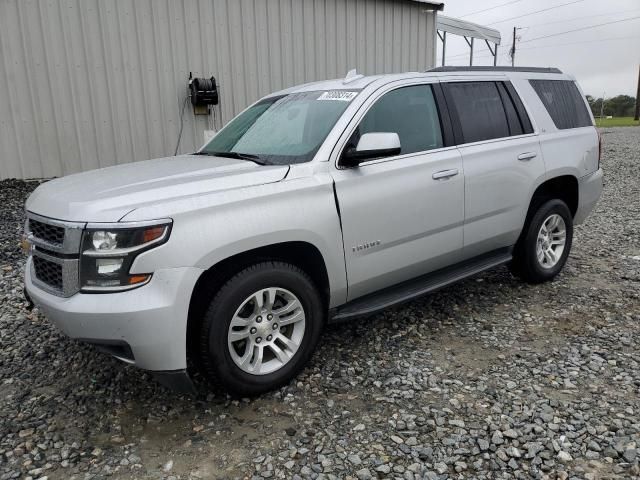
109 266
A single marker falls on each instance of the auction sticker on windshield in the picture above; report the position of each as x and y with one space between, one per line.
340 95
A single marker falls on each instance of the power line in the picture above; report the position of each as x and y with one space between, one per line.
548 46
537 11
581 18
581 29
487 9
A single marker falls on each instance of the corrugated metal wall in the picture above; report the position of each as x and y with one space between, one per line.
91 83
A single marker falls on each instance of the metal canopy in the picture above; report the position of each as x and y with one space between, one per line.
469 31
433 4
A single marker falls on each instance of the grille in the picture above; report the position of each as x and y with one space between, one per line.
55 255
49 233
48 272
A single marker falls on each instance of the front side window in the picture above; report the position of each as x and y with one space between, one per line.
282 130
410 112
479 109
564 103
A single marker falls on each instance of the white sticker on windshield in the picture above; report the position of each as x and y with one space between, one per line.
340 95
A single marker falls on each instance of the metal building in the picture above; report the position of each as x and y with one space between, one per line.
91 83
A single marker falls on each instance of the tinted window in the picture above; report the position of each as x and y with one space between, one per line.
515 125
564 103
479 110
522 112
410 112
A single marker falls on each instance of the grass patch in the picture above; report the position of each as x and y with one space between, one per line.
617 122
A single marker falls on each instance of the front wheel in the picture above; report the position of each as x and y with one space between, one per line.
544 245
261 328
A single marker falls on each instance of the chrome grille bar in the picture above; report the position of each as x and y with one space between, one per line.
72 238
56 245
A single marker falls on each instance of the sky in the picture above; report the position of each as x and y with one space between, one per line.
604 59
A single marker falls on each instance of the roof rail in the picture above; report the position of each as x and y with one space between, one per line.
496 69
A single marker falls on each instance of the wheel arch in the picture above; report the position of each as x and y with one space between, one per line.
563 187
303 254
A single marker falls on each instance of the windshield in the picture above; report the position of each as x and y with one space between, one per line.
282 130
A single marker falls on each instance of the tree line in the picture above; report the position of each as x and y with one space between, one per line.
620 106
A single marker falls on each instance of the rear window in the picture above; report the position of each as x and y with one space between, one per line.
563 101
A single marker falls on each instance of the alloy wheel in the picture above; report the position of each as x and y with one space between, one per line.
551 241
266 331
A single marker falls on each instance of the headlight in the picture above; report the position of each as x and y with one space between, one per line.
109 251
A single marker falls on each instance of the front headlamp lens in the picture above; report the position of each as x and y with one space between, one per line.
107 255
104 240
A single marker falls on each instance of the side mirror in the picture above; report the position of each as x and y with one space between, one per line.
371 145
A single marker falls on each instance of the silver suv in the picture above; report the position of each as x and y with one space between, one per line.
322 202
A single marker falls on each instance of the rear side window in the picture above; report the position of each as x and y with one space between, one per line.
564 103
479 110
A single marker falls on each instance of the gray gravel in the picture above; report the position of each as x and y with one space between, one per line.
490 378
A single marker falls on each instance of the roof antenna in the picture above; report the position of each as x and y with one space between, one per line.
352 76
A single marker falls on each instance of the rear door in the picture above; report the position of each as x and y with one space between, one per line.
501 157
401 215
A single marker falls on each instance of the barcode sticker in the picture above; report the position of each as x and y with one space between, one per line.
339 95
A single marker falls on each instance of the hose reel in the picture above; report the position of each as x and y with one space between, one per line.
203 92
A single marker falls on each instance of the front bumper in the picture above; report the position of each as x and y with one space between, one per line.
151 320
589 191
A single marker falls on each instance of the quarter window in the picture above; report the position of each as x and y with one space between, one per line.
410 112
564 103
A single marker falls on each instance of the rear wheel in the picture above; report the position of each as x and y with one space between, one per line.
544 245
261 328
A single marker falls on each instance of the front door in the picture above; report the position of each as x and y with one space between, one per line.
402 216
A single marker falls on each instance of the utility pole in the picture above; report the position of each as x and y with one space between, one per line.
637 115
513 48
602 107
512 51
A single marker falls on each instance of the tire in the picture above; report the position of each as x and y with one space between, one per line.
224 361
527 262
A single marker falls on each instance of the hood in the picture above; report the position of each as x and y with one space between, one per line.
108 194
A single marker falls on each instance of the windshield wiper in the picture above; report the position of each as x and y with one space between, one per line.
236 155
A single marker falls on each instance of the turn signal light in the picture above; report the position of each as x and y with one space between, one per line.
135 279
153 233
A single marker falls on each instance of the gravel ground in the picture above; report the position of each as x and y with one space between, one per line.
490 378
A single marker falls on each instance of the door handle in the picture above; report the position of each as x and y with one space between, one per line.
527 156
445 174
